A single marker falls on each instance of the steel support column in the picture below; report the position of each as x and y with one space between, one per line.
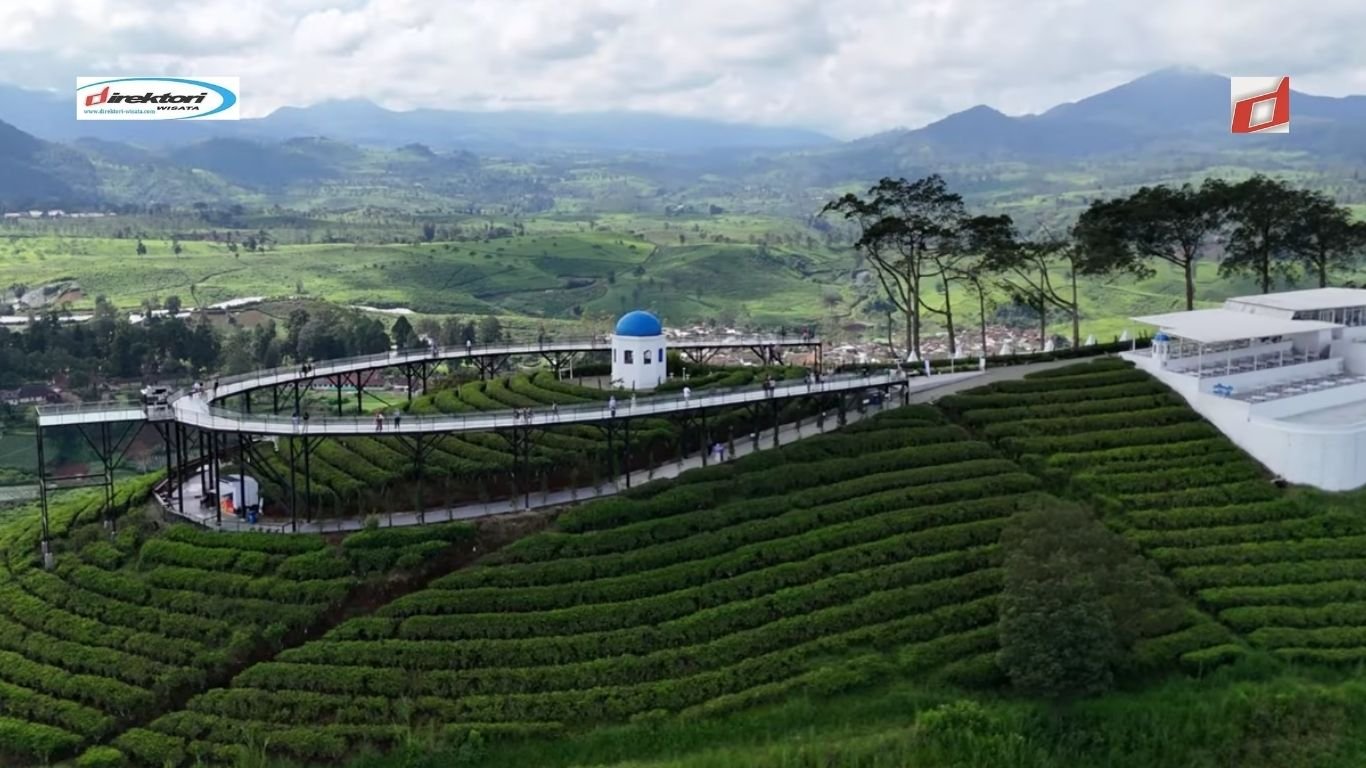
241 505
108 476
421 446
626 428
43 502
293 486
704 438
182 460
521 448
611 448
773 406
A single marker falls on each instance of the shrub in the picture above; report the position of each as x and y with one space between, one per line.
100 757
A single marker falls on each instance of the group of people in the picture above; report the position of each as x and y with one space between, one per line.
198 388
379 420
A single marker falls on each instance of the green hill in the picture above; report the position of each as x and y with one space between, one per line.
850 600
36 174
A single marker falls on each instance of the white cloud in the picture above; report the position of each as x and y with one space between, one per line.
849 67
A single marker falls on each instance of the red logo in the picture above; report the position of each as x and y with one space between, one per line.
98 97
1260 104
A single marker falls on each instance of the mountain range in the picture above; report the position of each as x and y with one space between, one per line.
50 116
47 157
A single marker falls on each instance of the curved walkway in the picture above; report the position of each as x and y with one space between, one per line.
195 406
196 411
788 433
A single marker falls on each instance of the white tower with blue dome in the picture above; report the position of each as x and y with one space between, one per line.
638 352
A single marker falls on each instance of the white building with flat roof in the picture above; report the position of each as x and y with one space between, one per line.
1282 374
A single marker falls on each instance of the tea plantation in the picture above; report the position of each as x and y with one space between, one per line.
367 473
130 625
854 599
1281 567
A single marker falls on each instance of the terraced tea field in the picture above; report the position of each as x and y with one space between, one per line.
129 626
812 568
1281 568
855 558
370 472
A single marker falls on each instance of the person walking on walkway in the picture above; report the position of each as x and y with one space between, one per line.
612 405
687 394
398 418
469 347
555 410
379 422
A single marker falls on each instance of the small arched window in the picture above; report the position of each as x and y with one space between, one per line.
647 357
627 357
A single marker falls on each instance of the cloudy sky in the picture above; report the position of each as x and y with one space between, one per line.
847 67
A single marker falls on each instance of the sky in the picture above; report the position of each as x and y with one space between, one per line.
845 67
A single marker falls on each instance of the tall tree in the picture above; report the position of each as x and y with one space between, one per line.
490 330
1264 240
986 240
1325 237
904 226
1029 272
294 326
1156 224
452 332
403 332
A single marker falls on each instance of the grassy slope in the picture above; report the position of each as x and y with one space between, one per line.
540 275
546 275
1238 718
1279 567
1260 712
128 626
847 559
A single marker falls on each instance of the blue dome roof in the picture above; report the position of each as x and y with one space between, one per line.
639 323
1161 336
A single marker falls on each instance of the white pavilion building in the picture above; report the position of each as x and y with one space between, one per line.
1282 374
638 349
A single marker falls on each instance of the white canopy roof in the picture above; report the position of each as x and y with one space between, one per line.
1309 299
1210 326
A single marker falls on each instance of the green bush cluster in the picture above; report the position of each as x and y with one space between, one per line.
808 569
1113 436
122 628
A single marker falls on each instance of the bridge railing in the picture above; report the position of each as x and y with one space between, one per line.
212 417
99 406
418 354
